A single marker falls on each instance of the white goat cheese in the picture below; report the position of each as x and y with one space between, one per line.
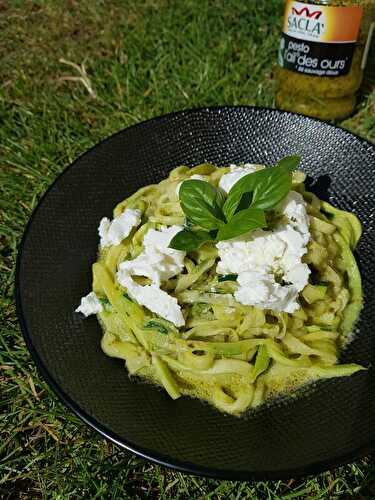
193 177
263 258
155 299
228 180
294 207
159 263
112 233
90 304
258 288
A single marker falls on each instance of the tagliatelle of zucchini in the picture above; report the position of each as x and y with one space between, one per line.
235 357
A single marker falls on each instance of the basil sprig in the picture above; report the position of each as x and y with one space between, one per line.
213 218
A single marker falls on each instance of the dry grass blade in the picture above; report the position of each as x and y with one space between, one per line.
83 78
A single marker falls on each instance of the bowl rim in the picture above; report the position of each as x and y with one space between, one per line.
145 453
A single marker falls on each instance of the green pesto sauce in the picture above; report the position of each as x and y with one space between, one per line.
327 97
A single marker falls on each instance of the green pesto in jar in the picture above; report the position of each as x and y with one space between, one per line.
311 36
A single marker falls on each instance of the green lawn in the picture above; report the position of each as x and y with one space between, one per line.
142 58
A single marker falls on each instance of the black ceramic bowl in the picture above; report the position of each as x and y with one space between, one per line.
328 425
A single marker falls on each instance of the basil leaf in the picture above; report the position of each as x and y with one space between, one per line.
160 325
220 198
201 203
243 186
242 222
272 190
268 187
188 240
227 277
154 325
107 306
126 296
289 163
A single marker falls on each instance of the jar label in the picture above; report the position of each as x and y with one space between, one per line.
318 40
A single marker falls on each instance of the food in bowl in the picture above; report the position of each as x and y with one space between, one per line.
230 284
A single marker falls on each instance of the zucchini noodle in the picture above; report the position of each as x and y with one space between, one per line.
231 355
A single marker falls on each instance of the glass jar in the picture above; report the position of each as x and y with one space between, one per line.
323 51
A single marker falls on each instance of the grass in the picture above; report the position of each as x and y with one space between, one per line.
135 60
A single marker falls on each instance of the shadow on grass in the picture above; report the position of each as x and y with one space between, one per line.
368 83
367 489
